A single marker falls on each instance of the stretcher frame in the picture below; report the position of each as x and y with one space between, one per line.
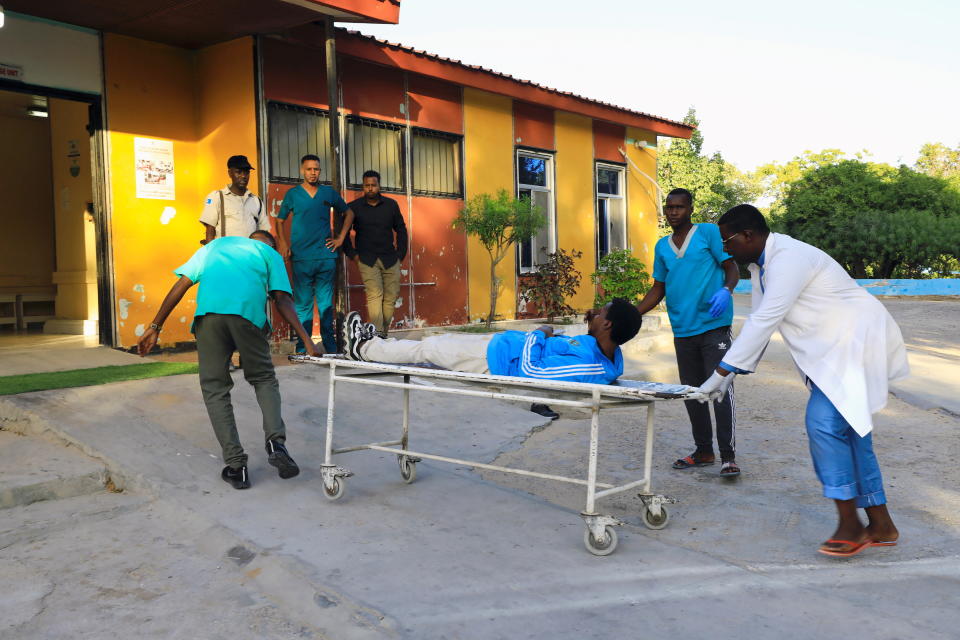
600 537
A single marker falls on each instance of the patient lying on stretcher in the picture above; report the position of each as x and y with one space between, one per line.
594 357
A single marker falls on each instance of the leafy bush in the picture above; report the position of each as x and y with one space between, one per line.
620 275
555 281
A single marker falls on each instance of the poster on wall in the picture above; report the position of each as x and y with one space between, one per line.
154 163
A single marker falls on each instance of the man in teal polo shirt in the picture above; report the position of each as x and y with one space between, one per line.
312 248
236 276
697 277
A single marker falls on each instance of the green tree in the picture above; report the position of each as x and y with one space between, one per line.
876 220
715 183
499 221
940 161
775 178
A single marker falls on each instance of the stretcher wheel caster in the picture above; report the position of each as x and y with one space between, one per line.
408 469
656 522
336 492
602 547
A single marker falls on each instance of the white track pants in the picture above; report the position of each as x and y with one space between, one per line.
457 352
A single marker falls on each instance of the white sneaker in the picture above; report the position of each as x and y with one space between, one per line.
353 335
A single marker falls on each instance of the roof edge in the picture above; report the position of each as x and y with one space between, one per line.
356 44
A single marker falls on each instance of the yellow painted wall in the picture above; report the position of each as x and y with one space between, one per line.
227 111
27 243
76 275
642 197
198 101
488 167
575 198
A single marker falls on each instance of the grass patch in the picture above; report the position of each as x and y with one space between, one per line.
89 377
476 328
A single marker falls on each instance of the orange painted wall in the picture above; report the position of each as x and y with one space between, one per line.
192 99
370 90
294 73
533 126
435 104
607 140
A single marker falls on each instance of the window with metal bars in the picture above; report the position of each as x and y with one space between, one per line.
436 164
377 145
295 131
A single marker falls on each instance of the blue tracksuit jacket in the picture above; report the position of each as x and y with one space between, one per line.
569 358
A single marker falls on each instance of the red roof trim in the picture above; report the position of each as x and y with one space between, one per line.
353 43
385 11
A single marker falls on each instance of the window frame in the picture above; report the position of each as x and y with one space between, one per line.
621 196
458 158
550 189
348 156
273 141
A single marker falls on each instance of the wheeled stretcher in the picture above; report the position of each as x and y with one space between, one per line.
600 536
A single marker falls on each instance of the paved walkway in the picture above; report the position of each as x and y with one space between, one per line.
460 554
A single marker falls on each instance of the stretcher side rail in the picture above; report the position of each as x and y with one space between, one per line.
600 537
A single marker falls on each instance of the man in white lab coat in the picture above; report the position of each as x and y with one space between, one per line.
847 347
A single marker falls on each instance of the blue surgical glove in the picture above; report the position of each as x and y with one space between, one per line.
720 302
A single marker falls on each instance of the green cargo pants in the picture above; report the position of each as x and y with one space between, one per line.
218 336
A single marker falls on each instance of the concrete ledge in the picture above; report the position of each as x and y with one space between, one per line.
34 470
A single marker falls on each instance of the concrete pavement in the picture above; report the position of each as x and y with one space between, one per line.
460 554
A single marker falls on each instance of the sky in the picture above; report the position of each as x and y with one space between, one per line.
769 80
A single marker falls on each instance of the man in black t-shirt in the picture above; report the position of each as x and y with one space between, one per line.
378 249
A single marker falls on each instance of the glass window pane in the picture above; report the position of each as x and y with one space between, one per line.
532 170
544 237
617 223
608 181
603 236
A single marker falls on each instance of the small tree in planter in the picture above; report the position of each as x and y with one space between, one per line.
499 222
555 281
620 275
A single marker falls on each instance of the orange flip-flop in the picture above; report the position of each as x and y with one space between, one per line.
883 543
856 547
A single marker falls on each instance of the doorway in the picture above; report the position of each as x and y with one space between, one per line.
54 254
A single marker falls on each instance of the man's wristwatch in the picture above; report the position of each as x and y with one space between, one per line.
156 327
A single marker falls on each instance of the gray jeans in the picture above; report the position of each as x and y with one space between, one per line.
218 336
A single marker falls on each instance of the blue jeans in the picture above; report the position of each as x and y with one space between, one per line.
844 461
314 279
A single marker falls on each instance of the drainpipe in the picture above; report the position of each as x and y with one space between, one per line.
659 191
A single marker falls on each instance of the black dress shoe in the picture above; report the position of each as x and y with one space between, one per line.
238 478
545 411
278 457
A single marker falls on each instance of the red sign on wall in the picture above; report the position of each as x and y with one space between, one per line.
11 72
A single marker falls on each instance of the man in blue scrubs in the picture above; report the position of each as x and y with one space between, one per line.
312 248
697 277
236 276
